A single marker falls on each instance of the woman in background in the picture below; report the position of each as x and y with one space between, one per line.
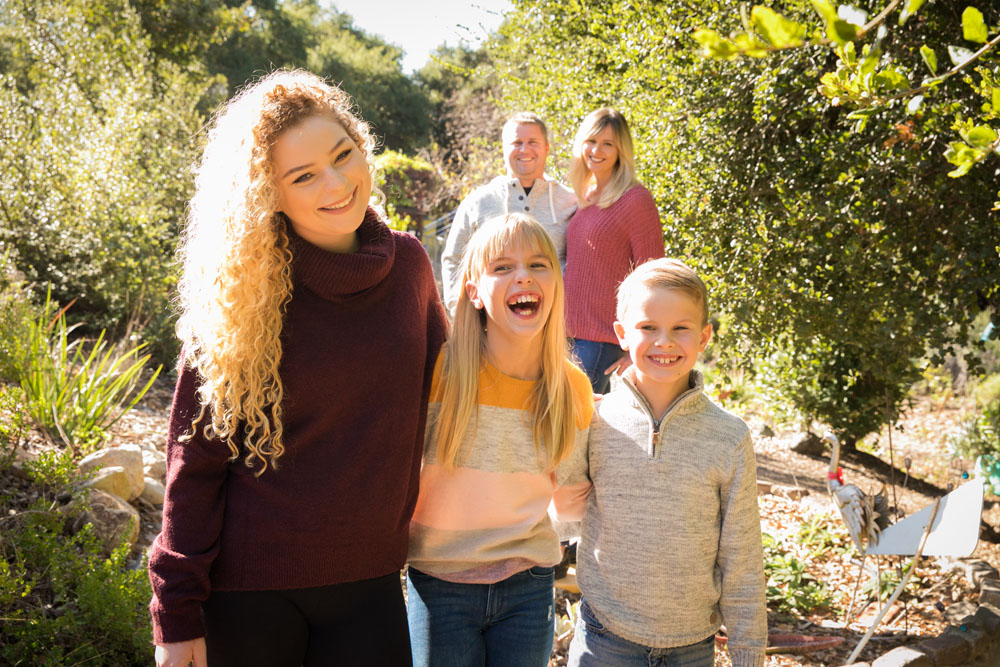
615 229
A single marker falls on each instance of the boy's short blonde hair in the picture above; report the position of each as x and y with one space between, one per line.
666 273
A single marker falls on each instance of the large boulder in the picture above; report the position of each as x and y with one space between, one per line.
128 457
114 520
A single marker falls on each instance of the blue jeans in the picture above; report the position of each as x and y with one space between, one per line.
594 357
506 624
595 646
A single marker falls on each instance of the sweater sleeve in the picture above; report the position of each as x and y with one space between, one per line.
193 508
741 562
461 230
572 475
645 228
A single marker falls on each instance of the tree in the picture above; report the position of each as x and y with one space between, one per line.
95 145
836 259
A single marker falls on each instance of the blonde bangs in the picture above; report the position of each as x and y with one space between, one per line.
553 403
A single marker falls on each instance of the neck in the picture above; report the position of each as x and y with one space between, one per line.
528 182
520 358
598 187
659 395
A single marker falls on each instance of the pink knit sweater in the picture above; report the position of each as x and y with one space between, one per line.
602 247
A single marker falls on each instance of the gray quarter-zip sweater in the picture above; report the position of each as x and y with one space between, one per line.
670 544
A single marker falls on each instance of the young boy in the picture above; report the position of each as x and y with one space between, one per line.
670 545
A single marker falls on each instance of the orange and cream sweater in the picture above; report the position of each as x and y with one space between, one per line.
488 517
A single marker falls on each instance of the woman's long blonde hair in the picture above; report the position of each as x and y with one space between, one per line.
236 278
553 404
623 178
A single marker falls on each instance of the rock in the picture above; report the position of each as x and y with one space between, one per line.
988 621
989 592
766 431
763 488
949 648
811 445
958 611
977 569
112 479
153 492
903 656
114 520
154 464
128 457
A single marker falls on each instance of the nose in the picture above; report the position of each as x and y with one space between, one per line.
523 276
333 179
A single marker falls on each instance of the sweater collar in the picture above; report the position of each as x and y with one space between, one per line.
335 276
690 401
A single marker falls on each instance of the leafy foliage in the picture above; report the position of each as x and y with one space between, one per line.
94 147
75 391
837 258
790 588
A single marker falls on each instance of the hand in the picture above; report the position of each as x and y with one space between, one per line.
182 654
619 366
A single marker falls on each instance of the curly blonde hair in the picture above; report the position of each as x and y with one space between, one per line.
236 278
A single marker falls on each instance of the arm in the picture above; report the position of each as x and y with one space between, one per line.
645 228
461 230
571 478
193 509
741 561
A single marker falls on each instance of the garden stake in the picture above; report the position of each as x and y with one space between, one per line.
899 589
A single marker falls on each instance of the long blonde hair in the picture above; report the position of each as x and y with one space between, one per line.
236 280
553 403
623 177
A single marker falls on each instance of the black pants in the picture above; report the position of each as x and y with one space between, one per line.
359 623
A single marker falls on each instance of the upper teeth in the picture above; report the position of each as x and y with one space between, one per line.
524 298
340 205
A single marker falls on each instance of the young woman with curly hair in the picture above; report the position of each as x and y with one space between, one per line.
310 336
615 229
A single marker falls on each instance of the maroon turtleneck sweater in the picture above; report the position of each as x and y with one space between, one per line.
360 336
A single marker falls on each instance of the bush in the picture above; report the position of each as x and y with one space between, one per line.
75 391
17 310
64 603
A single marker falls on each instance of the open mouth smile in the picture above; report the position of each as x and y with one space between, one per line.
524 305
336 207
664 359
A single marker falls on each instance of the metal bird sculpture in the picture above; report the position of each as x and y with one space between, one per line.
865 516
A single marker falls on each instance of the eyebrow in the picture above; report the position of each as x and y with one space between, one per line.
306 166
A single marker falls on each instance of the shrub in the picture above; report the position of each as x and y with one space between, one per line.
73 391
65 603
17 309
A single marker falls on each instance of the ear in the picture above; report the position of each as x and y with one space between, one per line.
472 291
620 332
706 336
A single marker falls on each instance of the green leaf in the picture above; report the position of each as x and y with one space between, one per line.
973 26
825 10
930 58
713 45
996 100
980 136
892 79
776 29
959 55
911 8
842 32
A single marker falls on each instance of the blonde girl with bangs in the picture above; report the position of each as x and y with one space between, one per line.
304 320
507 426
616 228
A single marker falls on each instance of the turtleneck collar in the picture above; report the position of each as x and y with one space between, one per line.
336 276
689 401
